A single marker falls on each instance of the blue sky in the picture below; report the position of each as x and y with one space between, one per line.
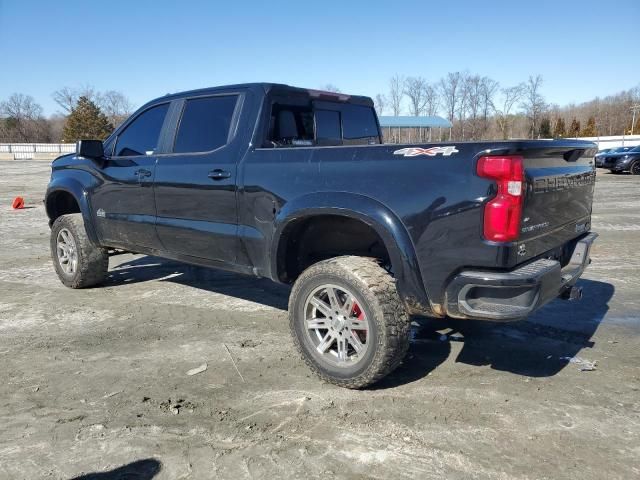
145 49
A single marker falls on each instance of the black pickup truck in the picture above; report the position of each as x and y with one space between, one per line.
297 186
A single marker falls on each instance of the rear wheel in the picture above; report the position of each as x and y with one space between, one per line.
348 322
78 262
635 168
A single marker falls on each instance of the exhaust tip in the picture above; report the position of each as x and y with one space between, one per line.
572 294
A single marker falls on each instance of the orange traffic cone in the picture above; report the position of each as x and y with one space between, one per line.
18 203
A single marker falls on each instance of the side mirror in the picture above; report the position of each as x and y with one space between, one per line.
91 149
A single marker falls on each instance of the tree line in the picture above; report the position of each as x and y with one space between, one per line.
85 113
480 108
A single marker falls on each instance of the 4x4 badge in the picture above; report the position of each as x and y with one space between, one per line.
430 152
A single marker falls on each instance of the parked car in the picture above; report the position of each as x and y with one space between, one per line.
296 185
623 161
600 156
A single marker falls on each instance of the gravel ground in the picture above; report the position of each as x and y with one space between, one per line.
95 381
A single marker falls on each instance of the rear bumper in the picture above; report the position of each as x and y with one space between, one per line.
506 296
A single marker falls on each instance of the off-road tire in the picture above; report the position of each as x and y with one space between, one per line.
93 262
389 322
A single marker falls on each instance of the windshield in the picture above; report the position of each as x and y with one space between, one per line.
635 149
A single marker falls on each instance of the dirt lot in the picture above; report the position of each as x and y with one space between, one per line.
95 380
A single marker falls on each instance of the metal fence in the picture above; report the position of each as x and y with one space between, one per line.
614 141
30 151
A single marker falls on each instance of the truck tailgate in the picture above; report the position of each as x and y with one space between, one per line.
559 186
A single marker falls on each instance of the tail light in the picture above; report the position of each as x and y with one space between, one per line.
503 213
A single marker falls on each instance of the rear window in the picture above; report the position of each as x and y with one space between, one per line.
358 122
328 126
205 124
297 122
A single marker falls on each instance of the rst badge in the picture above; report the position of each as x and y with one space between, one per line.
430 152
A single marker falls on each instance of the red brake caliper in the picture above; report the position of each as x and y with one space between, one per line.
357 311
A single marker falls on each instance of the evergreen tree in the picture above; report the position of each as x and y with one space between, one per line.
560 130
574 129
545 128
590 129
86 121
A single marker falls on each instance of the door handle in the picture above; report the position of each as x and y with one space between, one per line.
143 173
219 174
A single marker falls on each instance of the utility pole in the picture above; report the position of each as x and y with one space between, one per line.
634 109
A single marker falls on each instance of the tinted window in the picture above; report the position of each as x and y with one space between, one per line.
358 122
141 136
328 125
205 124
290 125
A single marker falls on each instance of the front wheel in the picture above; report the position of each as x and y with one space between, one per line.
78 262
635 168
348 322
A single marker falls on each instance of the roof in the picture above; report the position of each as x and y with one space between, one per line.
266 86
414 122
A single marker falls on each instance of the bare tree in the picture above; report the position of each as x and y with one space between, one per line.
463 103
450 87
504 109
380 103
115 105
533 103
396 88
22 120
67 97
415 89
56 125
489 89
473 92
478 95
432 100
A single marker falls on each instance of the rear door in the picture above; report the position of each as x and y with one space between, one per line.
124 202
195 184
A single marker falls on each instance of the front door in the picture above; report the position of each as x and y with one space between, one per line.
195 185
123 203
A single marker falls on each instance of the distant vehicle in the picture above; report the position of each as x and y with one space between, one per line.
296 185
601 154
599 157
625 161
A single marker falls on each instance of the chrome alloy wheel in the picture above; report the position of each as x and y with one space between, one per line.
67 252
336 325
